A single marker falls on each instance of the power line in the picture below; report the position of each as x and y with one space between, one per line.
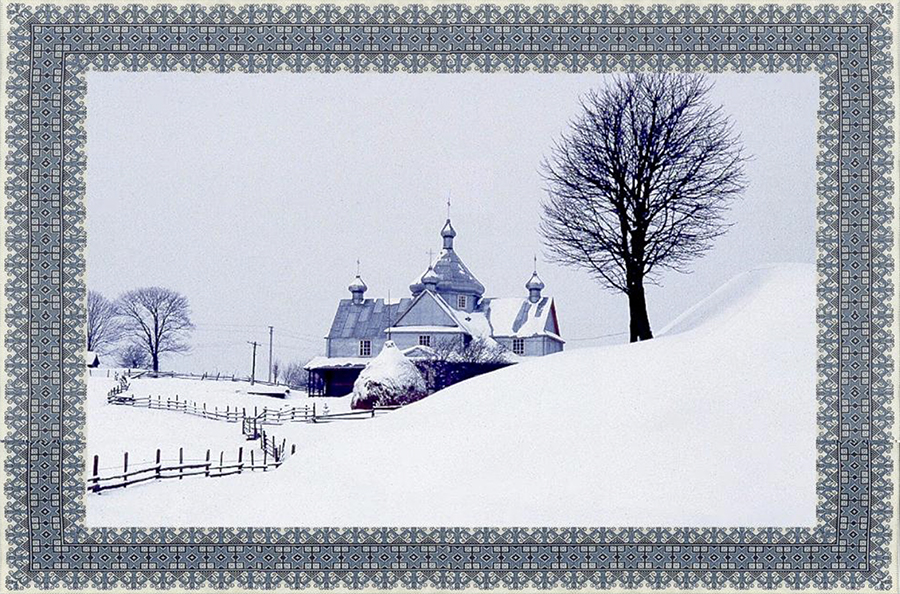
596 337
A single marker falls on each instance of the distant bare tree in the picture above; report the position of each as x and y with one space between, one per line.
294 375
134 356
640 183
276 369
103 327
156 319
476 350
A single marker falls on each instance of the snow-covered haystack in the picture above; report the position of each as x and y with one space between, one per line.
713 423
387 380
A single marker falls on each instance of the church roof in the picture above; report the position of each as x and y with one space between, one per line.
366 319
519 317
495 317
452 274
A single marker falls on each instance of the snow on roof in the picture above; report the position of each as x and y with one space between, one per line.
452 274
519 317
335 362
424 329
419 352
91 359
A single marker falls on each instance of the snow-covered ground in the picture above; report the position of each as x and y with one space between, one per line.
114 429
712 423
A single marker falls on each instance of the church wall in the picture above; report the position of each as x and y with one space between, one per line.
349 347
405 341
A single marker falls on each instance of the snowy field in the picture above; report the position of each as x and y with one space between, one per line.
713 423
114 429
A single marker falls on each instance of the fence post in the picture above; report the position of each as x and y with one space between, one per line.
158 464
314 412
221 461
265 457
240 459
293 449
207 462
125 472
252 464
180 463
96 472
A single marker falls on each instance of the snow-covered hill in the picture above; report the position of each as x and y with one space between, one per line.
711 423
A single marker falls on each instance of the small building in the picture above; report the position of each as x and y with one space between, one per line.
91 359
446 306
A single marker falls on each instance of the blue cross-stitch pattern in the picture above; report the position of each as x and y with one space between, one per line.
52 47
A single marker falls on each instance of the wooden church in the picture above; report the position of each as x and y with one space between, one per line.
446 303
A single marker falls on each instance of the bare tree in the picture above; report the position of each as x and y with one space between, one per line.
156 319
476 350
457 359
294 375
133 356
103 327
276 370
640 183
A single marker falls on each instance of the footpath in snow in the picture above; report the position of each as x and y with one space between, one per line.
713 423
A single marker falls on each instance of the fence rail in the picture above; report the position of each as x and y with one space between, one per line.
273 455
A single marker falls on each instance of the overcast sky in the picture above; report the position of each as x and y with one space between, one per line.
254 195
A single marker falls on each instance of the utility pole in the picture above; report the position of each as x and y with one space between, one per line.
253 368
271 331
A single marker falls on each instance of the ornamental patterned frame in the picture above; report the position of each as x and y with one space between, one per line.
52 47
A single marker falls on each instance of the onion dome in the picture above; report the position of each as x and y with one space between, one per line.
534 285
430 279
535 282
448 233
357 288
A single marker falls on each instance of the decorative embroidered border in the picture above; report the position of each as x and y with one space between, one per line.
51 48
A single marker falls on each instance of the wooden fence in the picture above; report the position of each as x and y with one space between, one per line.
216 377
228 414
252 426
273 455
266 416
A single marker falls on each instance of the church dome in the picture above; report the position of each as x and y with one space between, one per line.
357 286
430 277
448 230
535 283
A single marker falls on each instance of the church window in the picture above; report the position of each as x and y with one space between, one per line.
461 301
365 348
425 340
519 346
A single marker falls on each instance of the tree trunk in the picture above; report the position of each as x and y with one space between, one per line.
155 363
637 309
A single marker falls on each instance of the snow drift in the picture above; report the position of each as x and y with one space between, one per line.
711 424
388 379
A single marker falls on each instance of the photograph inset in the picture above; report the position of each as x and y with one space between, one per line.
451 300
